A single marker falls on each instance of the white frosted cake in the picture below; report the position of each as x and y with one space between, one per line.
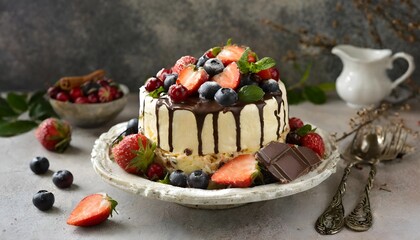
198 133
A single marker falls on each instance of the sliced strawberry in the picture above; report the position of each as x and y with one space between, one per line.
182 63
192 78
92 210
238 172
134 153
270 73
232 53
230 77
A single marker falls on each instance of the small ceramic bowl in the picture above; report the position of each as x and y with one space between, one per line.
90 115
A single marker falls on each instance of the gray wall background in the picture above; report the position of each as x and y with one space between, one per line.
43 40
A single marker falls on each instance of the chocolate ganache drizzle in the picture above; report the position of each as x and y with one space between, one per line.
201 108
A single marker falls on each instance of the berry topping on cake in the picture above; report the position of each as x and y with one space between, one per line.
229 77
238 172
270 86
152 84
270 73
213 66
134 153
178 93
208 89
170 80
92 210
226 97
192 78
163 73
232 53
182 63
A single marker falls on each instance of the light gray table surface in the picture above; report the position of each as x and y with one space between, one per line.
396 209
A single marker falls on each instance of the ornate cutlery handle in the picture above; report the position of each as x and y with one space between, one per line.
331 220
361 219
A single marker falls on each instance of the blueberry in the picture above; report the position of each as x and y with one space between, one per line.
198 179
270 86
62 179
43 200
132 126
39 165
226 96
293 138
248 79
169 81
213 66
178 178
202 60
208 89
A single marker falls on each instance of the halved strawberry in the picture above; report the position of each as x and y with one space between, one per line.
192 78
134 153
92 210
182 63
232 53
238 172
270 73
230 77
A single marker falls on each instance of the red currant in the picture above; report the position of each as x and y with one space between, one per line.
81 100
275 73
63 96
178 93
53 91
152 84
155 172
162 74
93 98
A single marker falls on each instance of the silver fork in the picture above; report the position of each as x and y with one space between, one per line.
361 219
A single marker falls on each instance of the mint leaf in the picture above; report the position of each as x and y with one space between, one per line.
264 63
6 110
305 129
229 42
17 102
306 74
250 93
243 63
327 86
314 94
13 128
156 93
295 96
165 180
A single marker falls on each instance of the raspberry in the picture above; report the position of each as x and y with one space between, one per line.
178 93
315 142
152 84
182 63
295 123
155 172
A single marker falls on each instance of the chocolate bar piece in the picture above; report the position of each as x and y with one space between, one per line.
285 162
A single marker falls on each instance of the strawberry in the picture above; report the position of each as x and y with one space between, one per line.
238 172
230 77
162 74
232 53
54 134
134 153
92 210
313 141
270 73
105 94
192 78
182 63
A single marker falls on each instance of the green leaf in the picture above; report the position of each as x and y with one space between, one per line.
305 129
264 63
306 74
250 93
216 50
8 129
6 110
41 110
17 102
165 180
36 97
156 93
314 94
295 96
327 86
229 42
243 63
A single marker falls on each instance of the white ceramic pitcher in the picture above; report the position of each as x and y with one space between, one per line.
363 80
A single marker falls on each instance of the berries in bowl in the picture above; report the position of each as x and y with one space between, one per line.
88 101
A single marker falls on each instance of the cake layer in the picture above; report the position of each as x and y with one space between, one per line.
198 127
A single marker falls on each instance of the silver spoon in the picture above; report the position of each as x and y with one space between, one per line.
392 142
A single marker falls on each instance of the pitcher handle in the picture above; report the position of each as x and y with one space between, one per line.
407 73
